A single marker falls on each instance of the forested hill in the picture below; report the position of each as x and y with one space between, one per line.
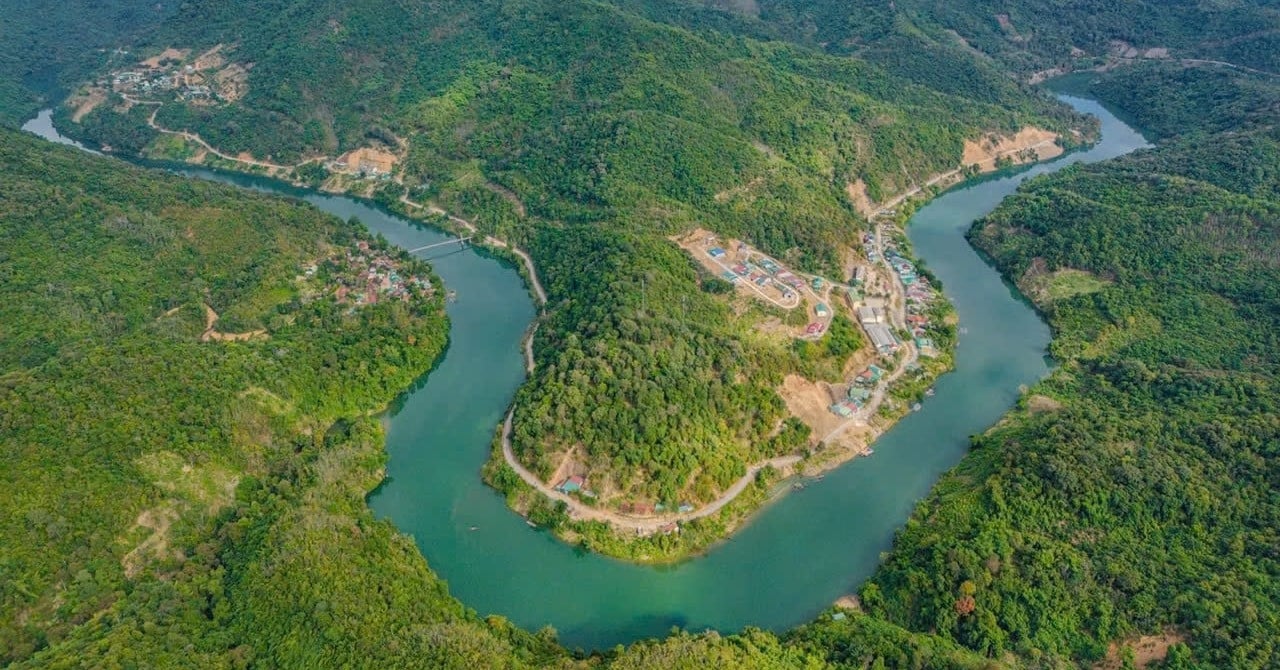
48 46
1133 494
177 500
161 355
589 131
1022 35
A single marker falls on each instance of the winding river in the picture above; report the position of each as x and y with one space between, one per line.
796 557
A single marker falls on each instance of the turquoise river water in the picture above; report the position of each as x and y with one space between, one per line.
795 557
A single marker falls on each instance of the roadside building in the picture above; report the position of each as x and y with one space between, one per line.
882 338
574 483
871 315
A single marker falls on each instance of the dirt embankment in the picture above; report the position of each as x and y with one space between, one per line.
209 334
369 159
1026 145
861 201
86 103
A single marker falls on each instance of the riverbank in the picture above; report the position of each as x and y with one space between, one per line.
796 556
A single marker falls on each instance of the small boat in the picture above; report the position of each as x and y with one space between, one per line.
915 407
868 452
929 393
475 528
798 486
531 524
452 296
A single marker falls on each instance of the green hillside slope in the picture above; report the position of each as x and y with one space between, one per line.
48 47
1134 491
588 131
128 422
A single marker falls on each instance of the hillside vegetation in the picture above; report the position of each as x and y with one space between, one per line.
125 439
589 132
46 48
1134 491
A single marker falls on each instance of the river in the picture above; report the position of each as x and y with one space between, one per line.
796 556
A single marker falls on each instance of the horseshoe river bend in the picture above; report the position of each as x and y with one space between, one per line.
796 556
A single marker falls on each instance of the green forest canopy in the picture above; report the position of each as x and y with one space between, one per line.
613 128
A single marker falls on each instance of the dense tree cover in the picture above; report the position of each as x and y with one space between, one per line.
122 434
1136 488
48 47
1027 35
1168 100
585 132
649 378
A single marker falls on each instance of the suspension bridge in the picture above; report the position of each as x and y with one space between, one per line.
461 242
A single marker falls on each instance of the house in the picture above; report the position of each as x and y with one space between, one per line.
717 252
860 274
822 311
859 394
870 315
728 276
684 508
813 328
841 409
574 483
882 338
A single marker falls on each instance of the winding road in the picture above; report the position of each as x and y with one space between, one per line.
580 511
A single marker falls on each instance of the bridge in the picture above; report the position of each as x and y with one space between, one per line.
461 242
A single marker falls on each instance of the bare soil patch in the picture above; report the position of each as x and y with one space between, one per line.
1147 649
369 159
1028 144
167 54
86 103
810 402
210 59
862 204
231 82
209 334
156 545
1039 404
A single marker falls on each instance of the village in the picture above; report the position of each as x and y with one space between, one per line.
885 294
205 79
364 275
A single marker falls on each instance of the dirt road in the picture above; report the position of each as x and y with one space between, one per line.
580 511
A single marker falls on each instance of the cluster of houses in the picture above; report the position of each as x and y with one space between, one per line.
187 84
859 392
919 294
365 276
761 273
